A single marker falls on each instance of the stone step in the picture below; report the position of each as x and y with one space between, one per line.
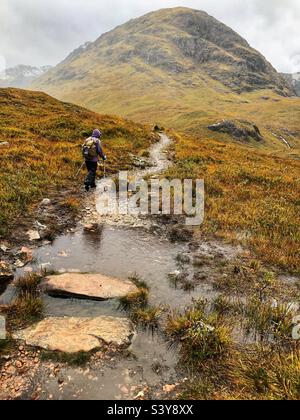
73 335
87 286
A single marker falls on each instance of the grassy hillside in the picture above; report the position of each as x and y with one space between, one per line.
44 150
180 68
252 196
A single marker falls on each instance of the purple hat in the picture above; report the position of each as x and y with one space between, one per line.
97 134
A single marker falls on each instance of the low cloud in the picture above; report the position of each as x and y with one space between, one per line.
39 33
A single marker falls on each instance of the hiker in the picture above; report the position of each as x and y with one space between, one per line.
91 151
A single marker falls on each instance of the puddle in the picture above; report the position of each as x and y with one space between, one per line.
154 365
120 253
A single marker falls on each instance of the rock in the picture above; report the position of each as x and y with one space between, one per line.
19 264
33 235
174 274
6 273
169 388
87 286
11 370
25 254
3 248
72 335
241 131
39 225
46 202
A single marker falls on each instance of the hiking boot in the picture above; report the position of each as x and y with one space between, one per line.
93 186
87 188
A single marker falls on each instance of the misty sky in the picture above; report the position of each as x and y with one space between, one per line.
38 32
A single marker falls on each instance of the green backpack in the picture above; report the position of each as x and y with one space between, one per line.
89 149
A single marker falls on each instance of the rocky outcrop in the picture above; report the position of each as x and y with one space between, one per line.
87 286
244 131
294 81
73 335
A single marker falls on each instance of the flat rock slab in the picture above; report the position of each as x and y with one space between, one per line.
72 335
87 286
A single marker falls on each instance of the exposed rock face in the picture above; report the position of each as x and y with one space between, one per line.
72 335
87 286
244 131
294 81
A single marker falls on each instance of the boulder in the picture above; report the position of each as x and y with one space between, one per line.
6 272
72 335
87 286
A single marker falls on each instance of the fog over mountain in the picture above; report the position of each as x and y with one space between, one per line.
33 34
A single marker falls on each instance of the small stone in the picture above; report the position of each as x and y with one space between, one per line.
46 202
174 274
19 264
6 273
19 364
169 388
25 254
11 370
33 235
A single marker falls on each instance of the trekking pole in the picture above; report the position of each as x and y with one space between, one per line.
105 188
79 169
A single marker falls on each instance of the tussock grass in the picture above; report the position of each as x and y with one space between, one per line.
148 317
252 196
202 334
28 285
133 300
28 307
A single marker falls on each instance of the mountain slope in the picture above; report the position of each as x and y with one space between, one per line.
21 76
294 80
181 68
40 141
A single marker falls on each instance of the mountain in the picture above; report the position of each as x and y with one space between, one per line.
21 76
294 80
177 67
40 148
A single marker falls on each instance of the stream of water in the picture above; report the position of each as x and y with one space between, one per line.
118 251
